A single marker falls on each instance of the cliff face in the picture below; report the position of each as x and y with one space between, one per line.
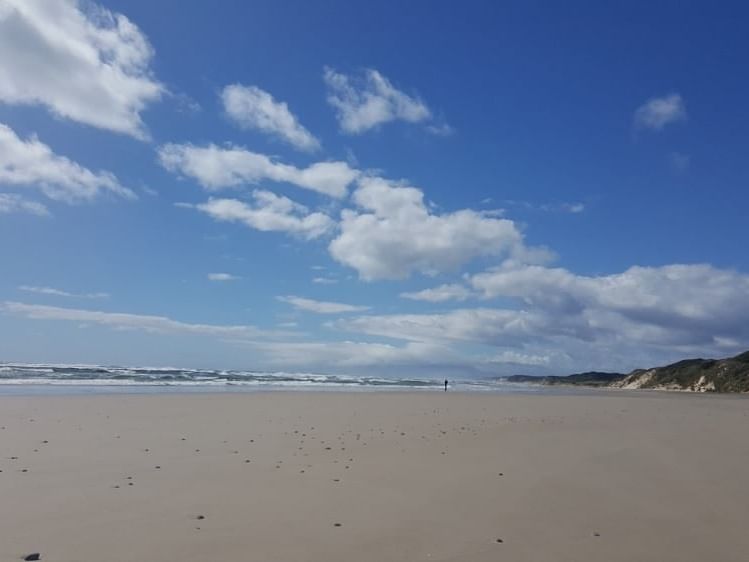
696 375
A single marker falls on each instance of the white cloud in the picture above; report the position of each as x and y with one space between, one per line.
555 207
364 103
324 281
393 234
219 168
60 293
642 316
440 294
441 130
269 213
253 108
519 358
351 354
14 203
89 65
476 325
656 113
674 297
32 163
222 277
321 307
574 208
674 305
119 320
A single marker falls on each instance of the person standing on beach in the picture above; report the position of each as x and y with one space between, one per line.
445 385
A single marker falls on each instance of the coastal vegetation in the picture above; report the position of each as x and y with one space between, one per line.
695 375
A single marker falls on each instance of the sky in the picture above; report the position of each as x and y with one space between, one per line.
418 188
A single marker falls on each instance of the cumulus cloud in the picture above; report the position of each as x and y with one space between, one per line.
675 308
31 163
14 203
440 294
222 277
217 168
126 321
79 60
269 213
60 293
393 234
362 103
321 307
253 108
656 113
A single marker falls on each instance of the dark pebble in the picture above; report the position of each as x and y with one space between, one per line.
336 524
33 556
500 541
596 534
200 517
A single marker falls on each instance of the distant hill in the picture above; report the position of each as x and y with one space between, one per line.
591 378
695 375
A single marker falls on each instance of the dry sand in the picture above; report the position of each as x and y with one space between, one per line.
374 477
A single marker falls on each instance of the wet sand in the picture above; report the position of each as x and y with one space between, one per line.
374 476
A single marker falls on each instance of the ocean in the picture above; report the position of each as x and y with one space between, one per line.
17 378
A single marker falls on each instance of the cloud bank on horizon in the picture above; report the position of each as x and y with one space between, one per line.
407 283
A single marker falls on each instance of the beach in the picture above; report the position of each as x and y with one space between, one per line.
374 476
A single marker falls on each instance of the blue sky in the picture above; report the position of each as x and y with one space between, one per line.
373 187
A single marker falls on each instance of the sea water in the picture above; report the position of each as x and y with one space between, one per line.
19 378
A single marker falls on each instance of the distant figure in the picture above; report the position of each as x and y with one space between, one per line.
445 385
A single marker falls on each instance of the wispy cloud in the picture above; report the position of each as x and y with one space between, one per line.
321 307
88 64
253 108
31 163
15 203
440 294
60 293
269 213
218 168
656 113
365 102
222 277
572 207
143 322
324 280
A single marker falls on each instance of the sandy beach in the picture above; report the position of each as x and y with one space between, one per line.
314 476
